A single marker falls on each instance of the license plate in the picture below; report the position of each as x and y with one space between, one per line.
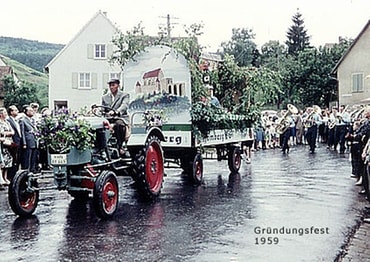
60 159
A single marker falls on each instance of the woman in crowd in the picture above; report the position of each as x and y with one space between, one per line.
6 133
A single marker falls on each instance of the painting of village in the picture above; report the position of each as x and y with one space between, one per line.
159 79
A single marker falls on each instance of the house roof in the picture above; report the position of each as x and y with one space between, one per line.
2 63
5 70
153 73
351 47
99 13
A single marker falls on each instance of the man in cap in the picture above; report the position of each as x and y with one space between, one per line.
118 102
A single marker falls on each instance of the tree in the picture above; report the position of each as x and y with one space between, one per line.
306 77
18 95
273 54
128 45
242 47
297 36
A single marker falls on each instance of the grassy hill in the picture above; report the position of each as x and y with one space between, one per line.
27 74
32 53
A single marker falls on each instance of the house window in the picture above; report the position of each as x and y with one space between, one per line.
84 81
100 51
358 82
115 75
60 104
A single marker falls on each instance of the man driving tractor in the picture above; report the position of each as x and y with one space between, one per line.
118 102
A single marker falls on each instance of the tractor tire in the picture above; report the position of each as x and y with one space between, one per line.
234 159
106 195
193 166
22 199
148 169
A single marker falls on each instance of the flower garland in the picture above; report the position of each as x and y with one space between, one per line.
62 131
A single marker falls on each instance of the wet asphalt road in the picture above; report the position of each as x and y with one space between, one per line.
222 220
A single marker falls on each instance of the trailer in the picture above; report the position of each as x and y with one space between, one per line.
159 79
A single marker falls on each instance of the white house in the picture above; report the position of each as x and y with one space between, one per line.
353 71
78 74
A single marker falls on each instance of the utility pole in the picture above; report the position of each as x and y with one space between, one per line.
169 25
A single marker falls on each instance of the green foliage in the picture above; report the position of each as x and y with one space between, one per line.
29 75
243 87
18 94
242 47
205 117
306 75
273 55
33 54
297 36
128 45
62 131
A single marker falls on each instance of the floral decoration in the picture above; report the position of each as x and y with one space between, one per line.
64 130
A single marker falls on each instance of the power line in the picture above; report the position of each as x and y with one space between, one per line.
169 24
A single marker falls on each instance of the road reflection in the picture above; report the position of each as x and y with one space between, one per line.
24 232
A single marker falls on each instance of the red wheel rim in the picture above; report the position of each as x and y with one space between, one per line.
198 172
27 200
110 195
154 167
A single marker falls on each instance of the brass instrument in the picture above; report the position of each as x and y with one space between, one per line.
331 123
309 121
284 122
357 114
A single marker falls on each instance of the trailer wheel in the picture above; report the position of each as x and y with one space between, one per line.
197 174
23 198
234 159
105 196
148 168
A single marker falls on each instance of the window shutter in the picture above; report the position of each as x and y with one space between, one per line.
74 80
94 81
109 51
90 51
105 80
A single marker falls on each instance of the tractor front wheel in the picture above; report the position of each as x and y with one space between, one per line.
23 194
105 196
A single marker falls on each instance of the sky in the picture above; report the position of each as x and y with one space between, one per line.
58 21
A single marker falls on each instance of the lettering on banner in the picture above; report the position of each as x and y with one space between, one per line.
173 139
219 137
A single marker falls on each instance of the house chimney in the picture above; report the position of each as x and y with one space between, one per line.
105 14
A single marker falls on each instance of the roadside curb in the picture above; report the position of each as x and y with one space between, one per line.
356 246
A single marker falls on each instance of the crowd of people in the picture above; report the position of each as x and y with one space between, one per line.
18 142
343 129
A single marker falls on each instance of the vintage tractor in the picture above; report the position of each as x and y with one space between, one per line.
93 171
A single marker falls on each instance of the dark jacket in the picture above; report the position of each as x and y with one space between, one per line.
17 137
28 132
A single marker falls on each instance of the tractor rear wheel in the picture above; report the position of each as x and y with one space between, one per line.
148 168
